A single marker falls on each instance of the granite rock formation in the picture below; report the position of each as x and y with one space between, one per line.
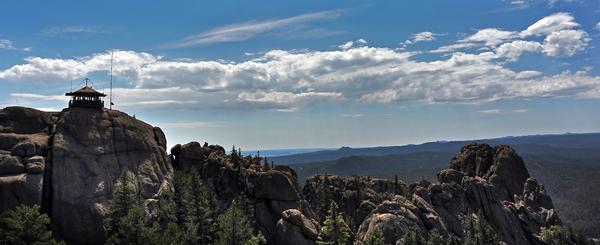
279 210
67 163
491 181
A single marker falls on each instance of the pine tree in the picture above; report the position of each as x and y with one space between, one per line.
258 239
132 228
335 231
195 207
202 208
234 226
127 221
375 238
487 235
435 238
25 225
557 234
167 208
235 157
124 199
170 234
412 237
453 240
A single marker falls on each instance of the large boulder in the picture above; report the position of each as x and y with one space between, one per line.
309 227
91 148
20 189
274 185
290 234
500 165
10 165
22 120
24 134
393 219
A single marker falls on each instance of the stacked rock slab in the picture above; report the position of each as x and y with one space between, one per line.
24 135
91 148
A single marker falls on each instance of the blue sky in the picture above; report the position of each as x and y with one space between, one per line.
292 74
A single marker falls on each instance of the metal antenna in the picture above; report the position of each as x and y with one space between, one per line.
111 79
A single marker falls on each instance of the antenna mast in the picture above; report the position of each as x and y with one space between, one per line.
111 79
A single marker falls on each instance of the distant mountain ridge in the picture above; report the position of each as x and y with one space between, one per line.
568 140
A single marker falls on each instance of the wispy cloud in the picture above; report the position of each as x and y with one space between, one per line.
74 30
8 45
502 111
191 124
246 30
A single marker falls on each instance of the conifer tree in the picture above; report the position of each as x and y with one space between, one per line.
167 208
258 239
235 157
335 231
375 238
435 238
234 226
170 234
127 222
202 207
132 228
412 237
25 225
124 199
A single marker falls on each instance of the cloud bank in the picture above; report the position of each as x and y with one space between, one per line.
283 80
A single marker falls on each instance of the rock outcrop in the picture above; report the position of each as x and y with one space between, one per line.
24 139
279 210
68 162
90 150
491 181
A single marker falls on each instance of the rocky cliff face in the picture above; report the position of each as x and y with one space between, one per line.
482 179
279 209
24 138
68 163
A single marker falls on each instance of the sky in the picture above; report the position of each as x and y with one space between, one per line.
305 74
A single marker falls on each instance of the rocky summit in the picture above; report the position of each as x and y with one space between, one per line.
68 163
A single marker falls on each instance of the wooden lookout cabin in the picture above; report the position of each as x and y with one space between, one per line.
86 97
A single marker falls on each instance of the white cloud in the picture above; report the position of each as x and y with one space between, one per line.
598 26
453 47
513 50
502 111
250 29
562 38
285 81
424 36
565 43
552 23
351 44
346 45
491 37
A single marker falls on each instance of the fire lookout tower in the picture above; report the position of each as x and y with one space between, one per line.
86 97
